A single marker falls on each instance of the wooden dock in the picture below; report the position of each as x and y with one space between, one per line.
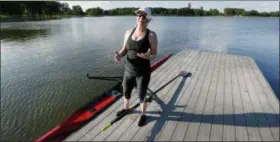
227 98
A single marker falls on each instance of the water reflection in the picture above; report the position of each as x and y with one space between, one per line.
210 40
21 35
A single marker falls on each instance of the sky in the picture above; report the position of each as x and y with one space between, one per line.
260 6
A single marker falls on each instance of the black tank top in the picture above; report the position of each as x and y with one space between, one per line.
134 64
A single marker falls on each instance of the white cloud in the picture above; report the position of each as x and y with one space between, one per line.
165 3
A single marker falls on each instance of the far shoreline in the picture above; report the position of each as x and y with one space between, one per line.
59 17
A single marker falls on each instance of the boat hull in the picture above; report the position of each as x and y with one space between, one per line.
88 112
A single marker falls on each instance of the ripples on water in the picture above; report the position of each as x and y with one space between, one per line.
44 64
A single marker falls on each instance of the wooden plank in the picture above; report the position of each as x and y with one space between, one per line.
84 130
267 91
199 74
167 131
95 128
184 115
205 126
239 118
205 129
152 129
194 126
197 82
273 100
133 128
193 102
175 95
244 107
216 127
122 126
270 116
253 131
155 131
229 129
265 131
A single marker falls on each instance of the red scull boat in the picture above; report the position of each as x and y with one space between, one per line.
88 112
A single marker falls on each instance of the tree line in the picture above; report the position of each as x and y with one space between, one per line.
38 8
242 12
50 8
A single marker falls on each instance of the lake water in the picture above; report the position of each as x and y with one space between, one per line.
44 65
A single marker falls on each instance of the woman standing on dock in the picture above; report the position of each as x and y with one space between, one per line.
140 46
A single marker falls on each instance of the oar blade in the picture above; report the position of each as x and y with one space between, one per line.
106 127
185 73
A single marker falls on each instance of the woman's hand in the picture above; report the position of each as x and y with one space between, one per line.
117 57
145 55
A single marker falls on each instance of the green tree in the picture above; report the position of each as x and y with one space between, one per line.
53 7
94 11
214 12
251 13
12 8
187 11
265 14
274 14
64 8
77 10
234 11
229 11
34 8
198 12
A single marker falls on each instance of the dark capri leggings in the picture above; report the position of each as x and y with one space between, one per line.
140 81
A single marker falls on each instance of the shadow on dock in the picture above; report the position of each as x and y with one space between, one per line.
168 114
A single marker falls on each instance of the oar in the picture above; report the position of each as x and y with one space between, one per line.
182 73
113 78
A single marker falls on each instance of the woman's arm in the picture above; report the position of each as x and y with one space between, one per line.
154 43
123 50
